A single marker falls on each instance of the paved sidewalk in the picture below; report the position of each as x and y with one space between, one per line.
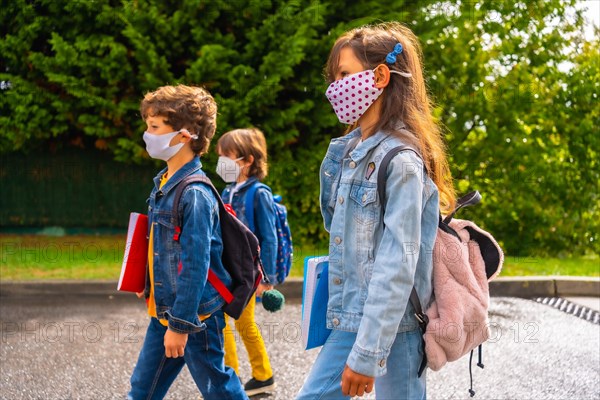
84 346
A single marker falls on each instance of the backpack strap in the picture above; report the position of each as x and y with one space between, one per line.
176 217
251 203
381 175
249 206
177 222
414 297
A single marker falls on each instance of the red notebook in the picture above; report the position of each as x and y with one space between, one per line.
133 271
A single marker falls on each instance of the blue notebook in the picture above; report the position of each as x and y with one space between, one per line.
314 302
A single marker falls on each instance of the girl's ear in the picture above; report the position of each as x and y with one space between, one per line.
250 160
382 76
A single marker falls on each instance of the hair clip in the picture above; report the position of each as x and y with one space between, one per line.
391 57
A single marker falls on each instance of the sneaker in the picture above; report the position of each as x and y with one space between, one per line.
254 386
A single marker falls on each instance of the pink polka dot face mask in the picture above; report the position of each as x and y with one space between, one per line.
352 95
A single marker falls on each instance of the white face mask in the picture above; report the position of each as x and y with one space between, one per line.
158 147
228 169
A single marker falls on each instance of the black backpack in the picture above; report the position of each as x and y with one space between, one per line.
241 252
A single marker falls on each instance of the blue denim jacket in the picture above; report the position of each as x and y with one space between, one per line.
266 230
181 289
371 269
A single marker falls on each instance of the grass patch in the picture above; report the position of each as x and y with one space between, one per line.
570 266
33 257
300 253
28 257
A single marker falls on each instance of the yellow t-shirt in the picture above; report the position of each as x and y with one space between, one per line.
151 300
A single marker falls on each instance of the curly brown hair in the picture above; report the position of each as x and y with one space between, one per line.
189 107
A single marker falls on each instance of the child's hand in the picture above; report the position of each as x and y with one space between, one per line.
175 343
139 294
263 287
355 384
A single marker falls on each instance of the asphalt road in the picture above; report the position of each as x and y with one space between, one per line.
66 347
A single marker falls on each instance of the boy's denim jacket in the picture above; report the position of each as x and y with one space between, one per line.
181 289
371 269
264 221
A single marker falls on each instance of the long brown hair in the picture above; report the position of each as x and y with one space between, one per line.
404 99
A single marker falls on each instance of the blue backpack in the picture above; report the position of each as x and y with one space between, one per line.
284 235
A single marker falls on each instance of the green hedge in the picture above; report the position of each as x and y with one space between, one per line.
72 189
515 83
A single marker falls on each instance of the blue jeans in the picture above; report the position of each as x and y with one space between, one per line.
154 372
399 383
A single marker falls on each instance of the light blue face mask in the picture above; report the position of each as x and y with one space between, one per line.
158 147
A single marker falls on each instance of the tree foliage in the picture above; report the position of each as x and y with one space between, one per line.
515 85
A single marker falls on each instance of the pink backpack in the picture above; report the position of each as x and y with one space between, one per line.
458 315
465 259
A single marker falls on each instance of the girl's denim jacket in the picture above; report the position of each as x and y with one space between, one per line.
181 289
264 221
373 268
